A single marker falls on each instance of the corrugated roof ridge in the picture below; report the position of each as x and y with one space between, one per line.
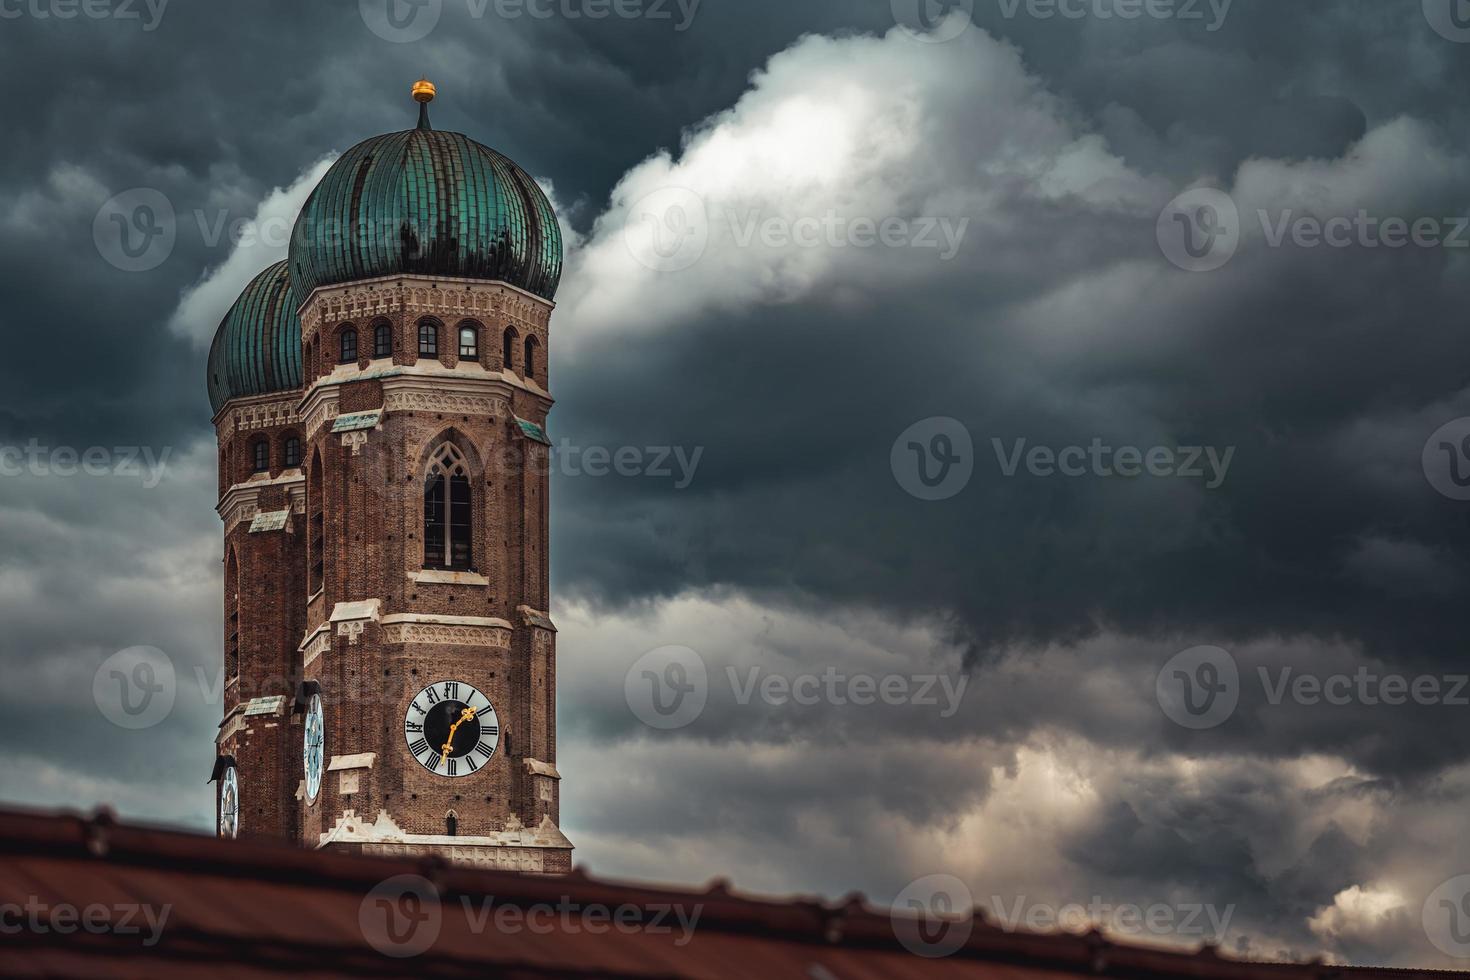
850 921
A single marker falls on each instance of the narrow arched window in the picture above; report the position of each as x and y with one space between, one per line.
383 340
260 456
317 536
469 344
528 366
508 349
448 516
232 625
349 346
428 339
451 824
293 452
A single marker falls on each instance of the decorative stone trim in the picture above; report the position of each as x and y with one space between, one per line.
241 502
361 760
275 520
352 617
274 706
434 576
478 631
538 768
257 412
316 643
516 848
535 617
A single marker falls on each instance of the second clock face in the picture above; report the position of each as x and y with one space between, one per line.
451 728
313 742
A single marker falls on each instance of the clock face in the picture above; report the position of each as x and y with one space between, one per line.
229 803
451 728
313 744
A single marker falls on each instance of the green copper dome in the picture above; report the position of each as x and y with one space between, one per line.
257 348
428 203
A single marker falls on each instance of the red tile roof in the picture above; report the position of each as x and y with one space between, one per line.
257 909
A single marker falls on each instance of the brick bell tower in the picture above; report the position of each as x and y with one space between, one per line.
381 401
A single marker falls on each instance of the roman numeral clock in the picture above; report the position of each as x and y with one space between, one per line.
380 404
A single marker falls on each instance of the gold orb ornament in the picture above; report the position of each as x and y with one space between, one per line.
424 91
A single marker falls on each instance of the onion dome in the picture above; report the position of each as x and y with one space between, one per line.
257 348
425 202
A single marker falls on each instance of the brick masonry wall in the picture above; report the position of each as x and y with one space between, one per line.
372 506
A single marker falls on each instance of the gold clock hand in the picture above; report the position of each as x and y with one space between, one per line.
464 716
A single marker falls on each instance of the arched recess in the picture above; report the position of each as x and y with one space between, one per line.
451 477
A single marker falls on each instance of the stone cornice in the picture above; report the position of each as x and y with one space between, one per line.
478 631
242 501
444 297
427 386
257 412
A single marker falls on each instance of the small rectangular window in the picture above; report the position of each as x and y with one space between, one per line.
469 344
428 340
383 341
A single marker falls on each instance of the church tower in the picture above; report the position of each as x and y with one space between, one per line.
381 401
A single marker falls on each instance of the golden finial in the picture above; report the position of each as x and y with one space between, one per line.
424 91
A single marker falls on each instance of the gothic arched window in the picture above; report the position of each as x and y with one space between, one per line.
428 339
316 525
383 340
349 346
469 343
528 366
260 456
508 349
451 824
293 452
448 521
